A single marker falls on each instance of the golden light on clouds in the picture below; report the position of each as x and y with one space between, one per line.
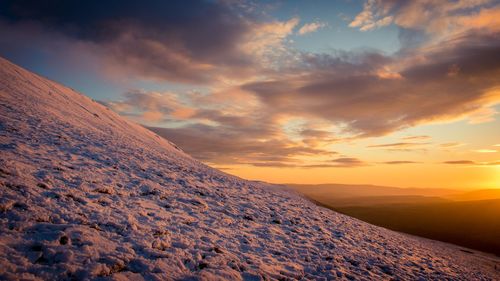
394 93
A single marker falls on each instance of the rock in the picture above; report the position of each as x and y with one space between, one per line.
42 185
202 265
63 240
386 269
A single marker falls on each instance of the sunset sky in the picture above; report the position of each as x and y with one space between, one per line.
401 93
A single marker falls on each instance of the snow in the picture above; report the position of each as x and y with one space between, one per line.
86 194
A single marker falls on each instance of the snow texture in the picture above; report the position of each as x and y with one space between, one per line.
88 195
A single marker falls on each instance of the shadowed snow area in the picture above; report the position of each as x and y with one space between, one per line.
86 194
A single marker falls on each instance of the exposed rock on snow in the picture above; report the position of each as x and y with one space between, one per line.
86 194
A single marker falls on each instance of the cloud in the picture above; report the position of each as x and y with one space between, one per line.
348 162
460 162
399 145
170 41
266 42
399 162
256 85
341 91
347 90
315 137
219 145
470 162
421 137
451 144
373 16
310 27
483 115
485 150
218 133
152 107
336 163
430 17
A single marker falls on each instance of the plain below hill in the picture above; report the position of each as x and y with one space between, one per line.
473 224
467 218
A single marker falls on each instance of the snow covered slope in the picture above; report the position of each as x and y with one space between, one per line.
86 194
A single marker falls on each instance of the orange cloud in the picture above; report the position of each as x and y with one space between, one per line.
486 18
152 116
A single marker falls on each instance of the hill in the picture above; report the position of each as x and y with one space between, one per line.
88 195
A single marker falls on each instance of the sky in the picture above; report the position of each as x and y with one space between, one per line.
399 93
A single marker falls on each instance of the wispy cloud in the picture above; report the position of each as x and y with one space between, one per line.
310 27
485 150
460 162
400 145
414 138
451 144
345 162
372 16
470 162
348 162
431 17
399 162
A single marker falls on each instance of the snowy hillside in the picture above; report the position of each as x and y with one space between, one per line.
86 194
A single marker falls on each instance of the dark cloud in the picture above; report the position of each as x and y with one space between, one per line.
460 162
162 39
348 162
218 137
313 133
315 136
221 145
399 162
